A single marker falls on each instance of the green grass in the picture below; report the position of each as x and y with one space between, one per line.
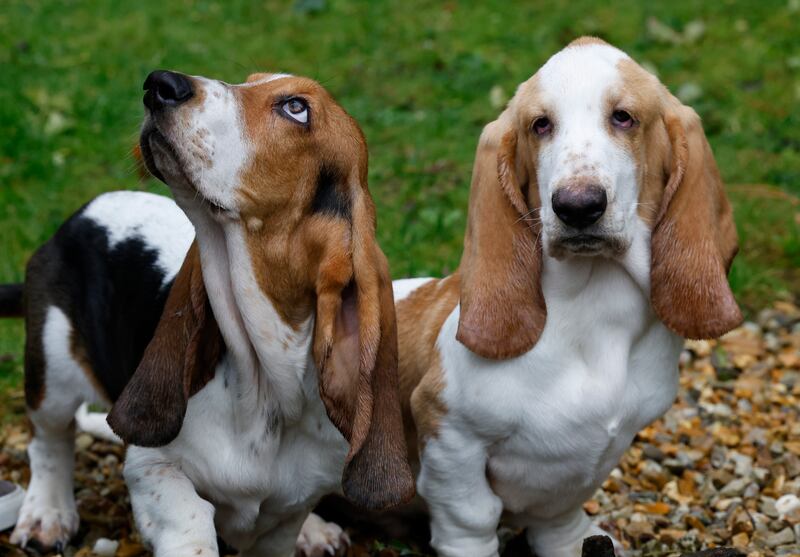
419 76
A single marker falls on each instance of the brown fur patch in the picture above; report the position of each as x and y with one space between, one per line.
78 351
502 305
695 240
420 317
587 40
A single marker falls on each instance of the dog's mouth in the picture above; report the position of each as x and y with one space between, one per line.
587 245
149 136
154 146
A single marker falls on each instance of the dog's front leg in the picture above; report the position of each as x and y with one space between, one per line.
172 518
464 510
563 535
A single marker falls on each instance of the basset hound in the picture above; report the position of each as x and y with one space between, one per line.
599 236
250 349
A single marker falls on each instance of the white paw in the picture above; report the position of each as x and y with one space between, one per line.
44 527
319 538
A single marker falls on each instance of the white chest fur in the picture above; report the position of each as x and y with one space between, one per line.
255 468
555 421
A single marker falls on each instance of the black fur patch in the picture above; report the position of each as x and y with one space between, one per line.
10 300
331 198
112 296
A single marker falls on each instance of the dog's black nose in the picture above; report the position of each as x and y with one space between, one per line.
580 207
165 88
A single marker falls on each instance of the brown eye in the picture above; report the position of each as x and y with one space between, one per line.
297 109
542 125
622 119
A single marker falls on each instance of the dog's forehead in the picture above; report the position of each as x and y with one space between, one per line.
268 82
585 71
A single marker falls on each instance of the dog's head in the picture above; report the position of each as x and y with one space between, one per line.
277 143
592 151
281 164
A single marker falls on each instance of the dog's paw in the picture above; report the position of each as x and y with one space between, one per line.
44 527
320 539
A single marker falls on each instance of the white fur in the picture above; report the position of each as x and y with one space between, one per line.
95 424
154 219
404 287
536 435
49 512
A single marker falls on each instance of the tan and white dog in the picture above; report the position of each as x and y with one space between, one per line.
270 378
599 236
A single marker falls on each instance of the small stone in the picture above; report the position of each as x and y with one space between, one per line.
776 448
743 464
740 540
655 508
751 491
653 453
83 442
591 507
760 474
641 530
784 537
787 504
670 535
104 547
734 488
767 507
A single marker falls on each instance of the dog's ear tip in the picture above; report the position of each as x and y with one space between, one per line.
392 489
142 432
476 341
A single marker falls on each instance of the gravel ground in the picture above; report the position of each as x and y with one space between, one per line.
721 468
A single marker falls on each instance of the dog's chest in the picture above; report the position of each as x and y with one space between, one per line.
256 468
557 419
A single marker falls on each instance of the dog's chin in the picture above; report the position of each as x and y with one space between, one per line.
163 162
160 158
586 245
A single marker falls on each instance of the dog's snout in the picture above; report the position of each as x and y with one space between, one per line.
580 207
164 88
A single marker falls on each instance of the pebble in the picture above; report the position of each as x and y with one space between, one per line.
784 537
104 547
720 468
83 441
735 487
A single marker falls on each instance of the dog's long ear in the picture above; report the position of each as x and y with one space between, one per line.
502 306
694 239
355 348
179 360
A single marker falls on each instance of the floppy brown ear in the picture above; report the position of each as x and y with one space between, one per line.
694 240
503 310
178 362
355 347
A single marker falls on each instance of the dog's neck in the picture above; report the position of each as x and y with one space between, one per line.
271 359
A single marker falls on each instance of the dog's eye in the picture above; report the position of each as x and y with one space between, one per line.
542 126
622 119
297 109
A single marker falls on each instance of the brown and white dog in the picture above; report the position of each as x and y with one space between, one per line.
599 235
269 378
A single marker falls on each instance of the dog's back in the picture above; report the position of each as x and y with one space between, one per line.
108 268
